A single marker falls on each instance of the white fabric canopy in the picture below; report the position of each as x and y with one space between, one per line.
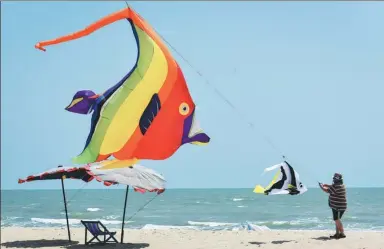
136 176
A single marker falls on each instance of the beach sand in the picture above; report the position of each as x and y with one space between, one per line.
191 239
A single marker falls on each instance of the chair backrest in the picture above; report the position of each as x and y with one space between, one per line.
92 227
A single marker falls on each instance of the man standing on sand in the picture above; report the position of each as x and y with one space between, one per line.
337 202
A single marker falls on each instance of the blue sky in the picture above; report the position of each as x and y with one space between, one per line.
308 75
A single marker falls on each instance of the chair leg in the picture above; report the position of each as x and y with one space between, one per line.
112 237
90 241
95 237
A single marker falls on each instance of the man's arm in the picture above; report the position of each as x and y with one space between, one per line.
324 187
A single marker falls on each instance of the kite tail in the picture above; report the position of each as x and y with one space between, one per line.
122 14
259 189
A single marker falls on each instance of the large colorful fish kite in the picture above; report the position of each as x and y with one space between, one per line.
149 114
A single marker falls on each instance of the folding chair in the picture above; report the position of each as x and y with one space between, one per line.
94 228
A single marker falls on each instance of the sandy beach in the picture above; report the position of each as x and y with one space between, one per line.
190 239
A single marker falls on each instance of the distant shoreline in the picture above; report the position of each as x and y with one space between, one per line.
122 187
63 227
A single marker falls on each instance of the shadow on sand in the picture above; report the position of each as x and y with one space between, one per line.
279 242
276 242
70 245
257 243
38 243
322 238
111 245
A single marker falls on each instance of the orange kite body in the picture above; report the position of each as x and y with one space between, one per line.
149 114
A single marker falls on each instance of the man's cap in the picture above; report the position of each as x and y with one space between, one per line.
337 176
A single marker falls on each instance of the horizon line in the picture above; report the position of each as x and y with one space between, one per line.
30 189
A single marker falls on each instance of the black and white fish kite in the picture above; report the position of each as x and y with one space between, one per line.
285 181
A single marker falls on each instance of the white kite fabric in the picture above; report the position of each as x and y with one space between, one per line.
285 181
136 176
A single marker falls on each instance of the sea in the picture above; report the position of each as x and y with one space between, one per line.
199 209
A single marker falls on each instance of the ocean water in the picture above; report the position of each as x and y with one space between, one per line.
205 209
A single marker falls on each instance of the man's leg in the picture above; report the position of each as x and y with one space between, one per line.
340 224
335 218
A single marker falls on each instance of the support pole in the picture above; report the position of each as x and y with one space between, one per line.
65 205
125 206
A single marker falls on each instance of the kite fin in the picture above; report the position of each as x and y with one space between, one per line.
115 163
259 189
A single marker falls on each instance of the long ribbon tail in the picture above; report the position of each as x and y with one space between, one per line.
122 14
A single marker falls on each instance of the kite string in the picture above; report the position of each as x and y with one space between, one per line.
75 194
241 115
226 100
141 208
77 191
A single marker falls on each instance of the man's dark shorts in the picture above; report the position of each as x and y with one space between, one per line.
337 214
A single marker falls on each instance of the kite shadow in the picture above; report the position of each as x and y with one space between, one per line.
38 243
322 238
257 243
279 242
276 242
110 245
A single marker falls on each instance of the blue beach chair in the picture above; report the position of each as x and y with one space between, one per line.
94 228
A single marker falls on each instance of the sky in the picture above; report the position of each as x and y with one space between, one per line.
308 75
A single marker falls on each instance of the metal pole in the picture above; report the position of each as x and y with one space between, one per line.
65 205
125 206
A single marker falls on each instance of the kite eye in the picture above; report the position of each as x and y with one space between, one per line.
184 108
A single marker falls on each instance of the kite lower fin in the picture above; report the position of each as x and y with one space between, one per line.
259 189
116 163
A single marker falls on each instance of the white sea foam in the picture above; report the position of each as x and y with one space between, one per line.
279 222
211 224
69 213
111 217
164 227
241 206
237 199
93 209
305 221
251 227
32 205
314 220
153 216
71 221
228 226
11 218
